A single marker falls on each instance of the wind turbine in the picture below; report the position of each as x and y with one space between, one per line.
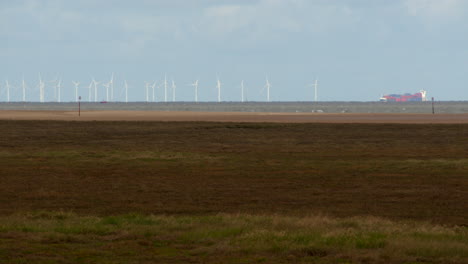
218 86
165 88
41 89
7 85
55 85
107 85
95 89
268 86
59 86
76 89
112 86
242 91
173 90
315 90
126 91
315 85
23 84
195 84
90 87
152 87
147 84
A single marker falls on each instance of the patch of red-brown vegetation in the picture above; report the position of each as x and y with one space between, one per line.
398 171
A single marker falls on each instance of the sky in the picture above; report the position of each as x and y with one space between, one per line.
357 49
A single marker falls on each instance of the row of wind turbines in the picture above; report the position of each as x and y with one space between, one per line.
95 88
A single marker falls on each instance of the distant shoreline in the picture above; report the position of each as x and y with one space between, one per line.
186 116
446 107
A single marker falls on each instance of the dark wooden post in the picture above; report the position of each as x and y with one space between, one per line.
433 111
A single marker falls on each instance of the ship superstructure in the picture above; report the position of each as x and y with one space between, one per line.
407 97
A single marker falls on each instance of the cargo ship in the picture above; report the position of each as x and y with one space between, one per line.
407 97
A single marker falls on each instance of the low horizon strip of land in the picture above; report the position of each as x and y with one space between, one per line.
251 117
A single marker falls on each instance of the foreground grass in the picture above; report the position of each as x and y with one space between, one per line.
58 237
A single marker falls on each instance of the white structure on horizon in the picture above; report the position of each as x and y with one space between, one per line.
315 85
23 85
423 95
147 84
195 85
126 91
95 89
7 86
41 89
165 88
59 90
153 91
111 82
268 86
76 90
242 91
173 90
90 88
218 86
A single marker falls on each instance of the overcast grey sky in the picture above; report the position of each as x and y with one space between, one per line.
359 49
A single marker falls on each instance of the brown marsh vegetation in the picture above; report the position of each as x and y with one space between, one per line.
197 170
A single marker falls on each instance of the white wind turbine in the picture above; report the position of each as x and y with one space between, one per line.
109 89
7 86
95 83
315 90
268 86
76 89
111 83
153 89
173 91
147 84
315 86
90 88
218 86
107 85
23 84
195 84
59 89
242 91
41 89
165 88
54 84
126 91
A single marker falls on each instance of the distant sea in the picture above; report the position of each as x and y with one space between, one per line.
287 107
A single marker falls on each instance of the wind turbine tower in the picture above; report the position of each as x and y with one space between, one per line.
268 86
173 91
218 85
165 88
41 89
23 84
195 84
147 84
112 86
7 85
126 91
76 90
315 90
95 89
242 91
90 87
107 85
59 86
152 88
